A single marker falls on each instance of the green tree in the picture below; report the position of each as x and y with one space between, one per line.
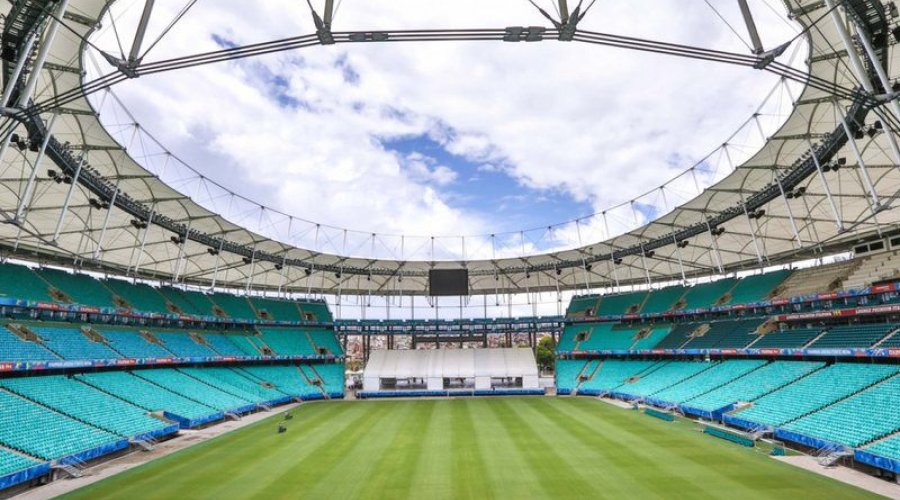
546 353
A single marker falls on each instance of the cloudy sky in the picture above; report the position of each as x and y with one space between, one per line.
451 138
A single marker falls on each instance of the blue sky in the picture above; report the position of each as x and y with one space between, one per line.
445 138
488 189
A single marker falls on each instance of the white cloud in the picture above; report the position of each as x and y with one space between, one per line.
598 124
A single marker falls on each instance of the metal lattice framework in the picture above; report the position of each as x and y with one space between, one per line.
72 194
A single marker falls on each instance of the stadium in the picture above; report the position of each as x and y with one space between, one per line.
718 314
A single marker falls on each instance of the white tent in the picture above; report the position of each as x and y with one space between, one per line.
482 365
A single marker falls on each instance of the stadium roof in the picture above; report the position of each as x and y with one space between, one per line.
785 203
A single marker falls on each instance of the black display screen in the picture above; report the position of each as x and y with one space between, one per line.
448 282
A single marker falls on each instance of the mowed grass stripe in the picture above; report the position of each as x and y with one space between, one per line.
431 477
515 448
659 469
510 475
562 478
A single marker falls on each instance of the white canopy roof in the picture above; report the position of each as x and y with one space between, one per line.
836 209
451 363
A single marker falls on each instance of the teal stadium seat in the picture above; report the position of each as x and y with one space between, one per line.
20 282
325 339
286 379
191 388
222 344
140 297
662 300
185 301
889 448
653 338
13 462
70 343
666 375
86 404
81 288
613 373
787 339
13 348
147 395
706 295
318 310
754 385
814 392
708 380
236 307
331 375
853 336
579 306
235 383
278 310
567 371
182 345
287 341
757 288
130 344
857 420
621 303
49 435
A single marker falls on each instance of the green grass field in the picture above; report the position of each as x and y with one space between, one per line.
531 447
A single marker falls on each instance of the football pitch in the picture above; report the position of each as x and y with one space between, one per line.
516 448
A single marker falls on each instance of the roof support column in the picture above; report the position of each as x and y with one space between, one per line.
252 270
612 253
65 207
38 65
218 260
112 204
834 210
855 61
810 223
284 259
886 85
864 172
644 265
751 27
678 255
133 57
715 245
25 201
759 257
140 255
787 207
181 253
17 71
